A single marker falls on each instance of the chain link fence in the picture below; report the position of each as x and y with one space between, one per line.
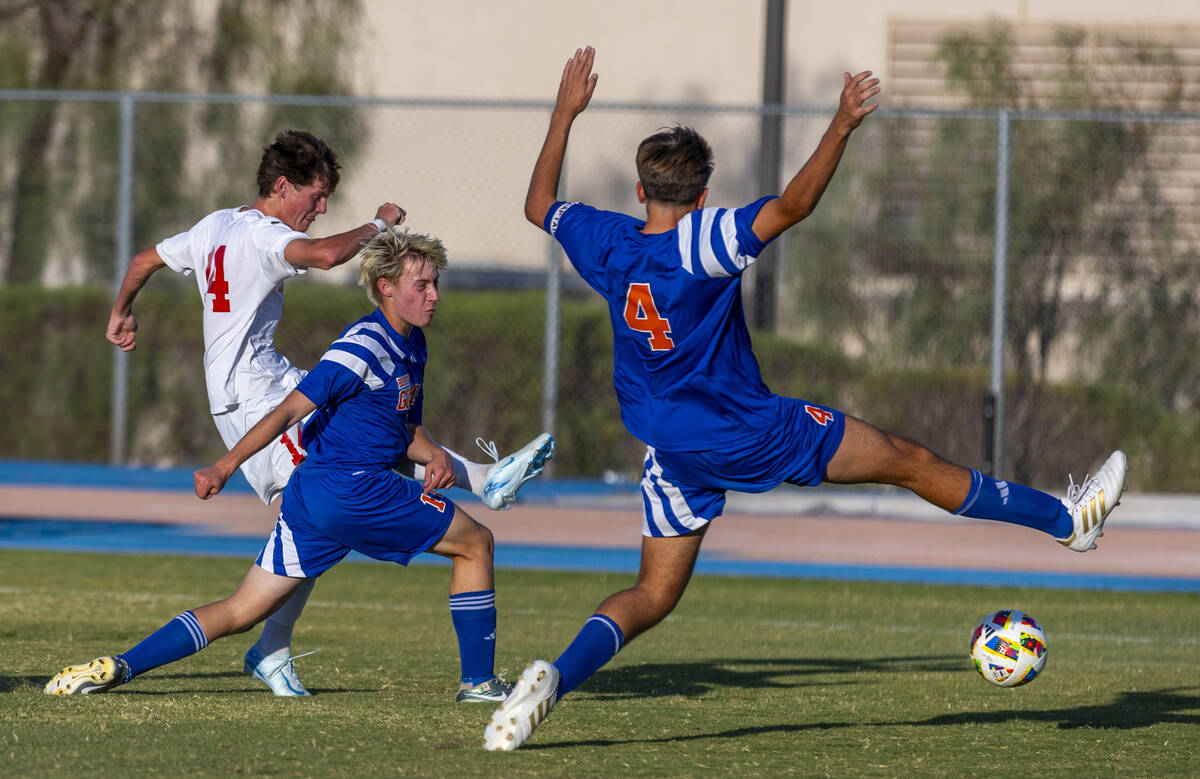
884 299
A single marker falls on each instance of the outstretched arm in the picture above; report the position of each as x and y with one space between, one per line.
806 187
332 251
295 407
122 325
574 92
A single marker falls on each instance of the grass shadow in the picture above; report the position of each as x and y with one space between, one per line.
1129 710
651 680
18 683
14 683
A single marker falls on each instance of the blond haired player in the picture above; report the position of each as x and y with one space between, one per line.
240 258
366 402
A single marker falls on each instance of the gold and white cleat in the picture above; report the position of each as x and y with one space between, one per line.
1090 503
530 702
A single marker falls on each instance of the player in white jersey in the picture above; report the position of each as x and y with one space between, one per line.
240 258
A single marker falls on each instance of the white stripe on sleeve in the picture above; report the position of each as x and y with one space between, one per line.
708 258
355 365
683 233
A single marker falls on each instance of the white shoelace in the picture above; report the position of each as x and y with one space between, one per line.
291 661
489 448
1075 491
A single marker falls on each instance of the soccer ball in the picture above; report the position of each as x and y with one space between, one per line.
1009 648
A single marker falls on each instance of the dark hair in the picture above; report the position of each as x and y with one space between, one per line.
301 158
674 165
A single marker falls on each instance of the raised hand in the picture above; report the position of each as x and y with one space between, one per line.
578 82
391 214
855 92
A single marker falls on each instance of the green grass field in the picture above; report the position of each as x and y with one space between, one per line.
758 677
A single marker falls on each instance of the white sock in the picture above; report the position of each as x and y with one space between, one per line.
277 630
468 475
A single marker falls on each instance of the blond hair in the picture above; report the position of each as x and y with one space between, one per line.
393 253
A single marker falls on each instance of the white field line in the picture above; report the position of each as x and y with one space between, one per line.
778 623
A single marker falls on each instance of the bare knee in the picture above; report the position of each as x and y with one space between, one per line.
659 601
909 454
480 544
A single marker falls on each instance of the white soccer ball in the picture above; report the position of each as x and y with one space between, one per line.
1009 648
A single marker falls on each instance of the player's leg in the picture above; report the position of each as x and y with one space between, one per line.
675 519
868 454
470 548
270 658
274 645
259 594
666 568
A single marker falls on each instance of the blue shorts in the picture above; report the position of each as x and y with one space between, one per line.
683 491
327 512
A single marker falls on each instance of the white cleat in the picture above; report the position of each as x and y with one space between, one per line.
531 701
507 475
277 671
1090 503
494 690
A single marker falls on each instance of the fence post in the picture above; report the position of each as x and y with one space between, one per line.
766 271
119 414
995 457
550 360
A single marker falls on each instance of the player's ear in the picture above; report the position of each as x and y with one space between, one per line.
641 193
280 186
384 286
701 200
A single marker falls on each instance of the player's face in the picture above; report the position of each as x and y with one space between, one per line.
300 206
411 300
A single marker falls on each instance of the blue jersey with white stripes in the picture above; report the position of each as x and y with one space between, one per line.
367 389
683 368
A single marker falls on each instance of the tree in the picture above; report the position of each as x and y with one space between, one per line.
61 164
1088 252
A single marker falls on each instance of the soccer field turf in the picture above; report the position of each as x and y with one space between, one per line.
758 677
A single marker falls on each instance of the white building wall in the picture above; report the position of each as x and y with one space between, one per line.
468 186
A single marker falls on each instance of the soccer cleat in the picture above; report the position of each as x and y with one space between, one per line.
531 701
494 690
1090 503
277 670
507 475
100 675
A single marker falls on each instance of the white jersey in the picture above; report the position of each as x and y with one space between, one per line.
237 258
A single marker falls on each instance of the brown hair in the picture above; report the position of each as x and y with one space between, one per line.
300 157
674 165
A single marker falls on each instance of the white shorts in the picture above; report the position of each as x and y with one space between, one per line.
269 469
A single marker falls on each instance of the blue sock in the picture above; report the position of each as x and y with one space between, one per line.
175 640
1015 503
474 618
597 643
